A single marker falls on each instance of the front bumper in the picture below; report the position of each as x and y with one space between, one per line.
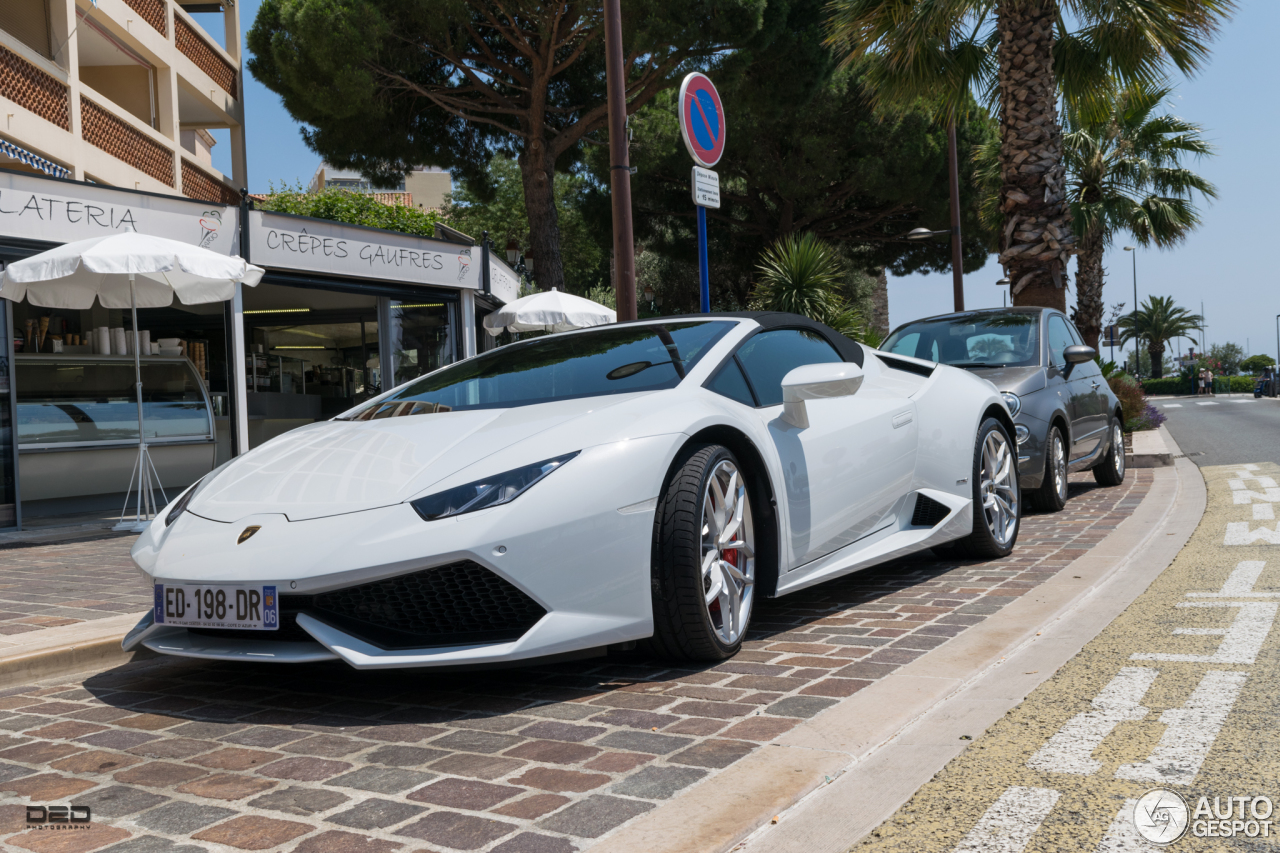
576 547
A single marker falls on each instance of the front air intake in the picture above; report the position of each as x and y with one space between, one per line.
928 512
454 604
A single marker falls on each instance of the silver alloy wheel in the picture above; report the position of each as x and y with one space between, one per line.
1117 444
1058 461
999 488
728 552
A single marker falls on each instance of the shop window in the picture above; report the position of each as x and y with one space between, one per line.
428 338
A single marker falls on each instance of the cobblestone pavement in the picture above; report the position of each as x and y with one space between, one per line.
179 755
60 584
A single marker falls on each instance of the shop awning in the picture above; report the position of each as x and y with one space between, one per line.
22 155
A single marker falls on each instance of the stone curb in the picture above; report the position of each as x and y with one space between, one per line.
1149 450
803 778
67 649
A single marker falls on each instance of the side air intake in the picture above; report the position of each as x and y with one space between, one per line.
928 512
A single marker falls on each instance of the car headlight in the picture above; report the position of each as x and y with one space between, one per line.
1012 401
180 505
492 491
1021 432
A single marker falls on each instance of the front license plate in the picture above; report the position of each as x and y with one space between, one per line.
252 608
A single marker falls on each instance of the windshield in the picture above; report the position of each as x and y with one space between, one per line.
997 339
609 360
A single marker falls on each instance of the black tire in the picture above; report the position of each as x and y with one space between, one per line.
1051 496
982 542
682 622
1110 470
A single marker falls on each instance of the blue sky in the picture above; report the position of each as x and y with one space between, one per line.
1225 264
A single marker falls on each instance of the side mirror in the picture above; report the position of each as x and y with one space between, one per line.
1079 353
816 382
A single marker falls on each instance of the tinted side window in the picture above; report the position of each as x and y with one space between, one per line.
1059 338
770 356
730 383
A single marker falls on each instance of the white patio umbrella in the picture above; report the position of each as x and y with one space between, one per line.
128 270
550 311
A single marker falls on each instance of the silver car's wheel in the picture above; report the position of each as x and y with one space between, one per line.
1110 470
999 488
1051 496
1058 464
728 552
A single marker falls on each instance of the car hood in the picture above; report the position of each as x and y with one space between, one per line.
1015 380
338 467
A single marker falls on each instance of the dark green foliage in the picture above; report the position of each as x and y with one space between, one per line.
351 207
805 151
385 85
1255 364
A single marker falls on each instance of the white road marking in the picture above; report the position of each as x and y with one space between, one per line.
1071 749
1206 404
1243 401
1239 533
1123 837
1263 512
1240 643
1172 405
1009 823
1191 731
1240 585
1246 496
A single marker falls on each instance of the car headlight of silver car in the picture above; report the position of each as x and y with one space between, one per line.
491 491
1012 401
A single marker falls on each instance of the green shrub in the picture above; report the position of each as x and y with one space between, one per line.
1241 383
1133 402
1168 385
355 208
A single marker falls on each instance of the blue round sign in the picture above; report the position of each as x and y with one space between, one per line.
702 120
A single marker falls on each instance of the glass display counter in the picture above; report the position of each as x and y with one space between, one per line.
77 423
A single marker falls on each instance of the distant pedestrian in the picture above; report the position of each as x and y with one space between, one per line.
1209 383
1200 383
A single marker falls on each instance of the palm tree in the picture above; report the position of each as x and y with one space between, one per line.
1125 173
1022 54
1157 322
802 274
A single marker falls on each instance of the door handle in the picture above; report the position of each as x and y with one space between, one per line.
1095 386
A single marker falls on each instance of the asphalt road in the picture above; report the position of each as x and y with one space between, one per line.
1224 430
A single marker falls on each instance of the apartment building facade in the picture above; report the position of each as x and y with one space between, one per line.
123 93
425 187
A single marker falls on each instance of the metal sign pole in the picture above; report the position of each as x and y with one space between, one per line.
704 276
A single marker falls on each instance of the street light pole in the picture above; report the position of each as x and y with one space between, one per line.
624 247
1137 340
957 273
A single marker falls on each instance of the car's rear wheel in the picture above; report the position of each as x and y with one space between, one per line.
704 561
1110 471
1052 494
997 504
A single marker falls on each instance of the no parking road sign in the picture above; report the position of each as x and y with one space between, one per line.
702 120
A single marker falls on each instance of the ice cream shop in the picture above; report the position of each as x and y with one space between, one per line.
341 313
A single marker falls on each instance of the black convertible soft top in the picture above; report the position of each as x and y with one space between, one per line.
849 350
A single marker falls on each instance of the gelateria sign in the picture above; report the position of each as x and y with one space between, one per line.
281 241
39 208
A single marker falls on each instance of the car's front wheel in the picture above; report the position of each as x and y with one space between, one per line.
704 560
997 504
1052 494
1110 471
